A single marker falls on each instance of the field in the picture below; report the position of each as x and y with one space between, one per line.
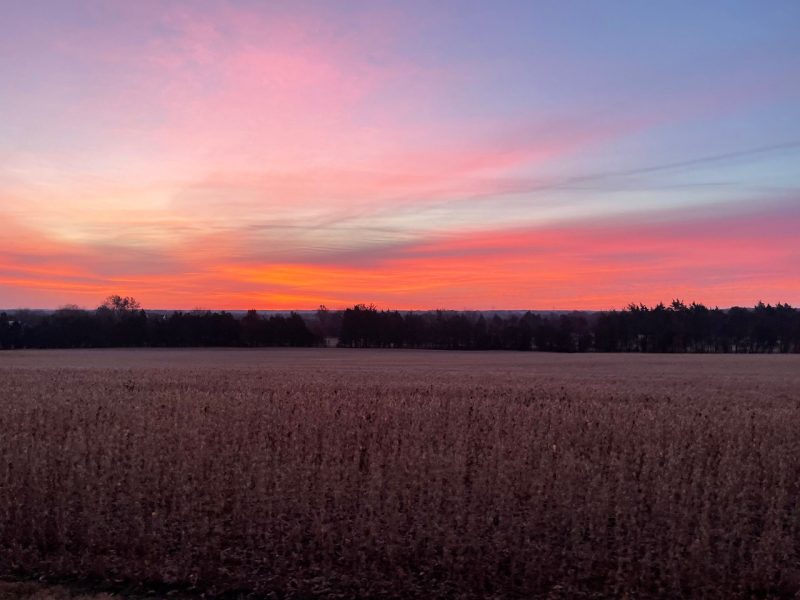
401 474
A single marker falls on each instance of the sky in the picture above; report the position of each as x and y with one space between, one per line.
416 155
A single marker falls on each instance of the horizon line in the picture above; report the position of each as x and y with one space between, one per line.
412 310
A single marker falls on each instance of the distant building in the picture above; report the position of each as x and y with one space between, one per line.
331 342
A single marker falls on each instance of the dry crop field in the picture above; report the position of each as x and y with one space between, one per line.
401 474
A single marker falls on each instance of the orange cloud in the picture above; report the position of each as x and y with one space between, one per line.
274 155
717 259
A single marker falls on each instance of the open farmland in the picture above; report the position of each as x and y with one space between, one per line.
402 474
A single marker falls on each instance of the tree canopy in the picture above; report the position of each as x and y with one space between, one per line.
678 327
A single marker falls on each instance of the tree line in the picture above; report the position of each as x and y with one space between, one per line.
121 322
677 327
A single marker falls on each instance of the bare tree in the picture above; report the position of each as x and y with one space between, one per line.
119 304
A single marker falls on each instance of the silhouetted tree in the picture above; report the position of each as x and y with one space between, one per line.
121 304
677 327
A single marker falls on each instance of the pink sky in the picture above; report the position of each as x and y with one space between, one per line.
224 154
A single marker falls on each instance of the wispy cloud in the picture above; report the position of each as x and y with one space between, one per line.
233 153
723 258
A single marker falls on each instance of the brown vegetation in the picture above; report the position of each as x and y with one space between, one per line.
37 591
421 475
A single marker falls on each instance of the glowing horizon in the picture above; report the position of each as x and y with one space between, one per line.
229 155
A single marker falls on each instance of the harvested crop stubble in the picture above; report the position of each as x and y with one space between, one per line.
37 591
407 481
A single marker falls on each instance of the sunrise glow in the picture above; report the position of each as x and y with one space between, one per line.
238 154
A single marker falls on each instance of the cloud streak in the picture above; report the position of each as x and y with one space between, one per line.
723 258
234 154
